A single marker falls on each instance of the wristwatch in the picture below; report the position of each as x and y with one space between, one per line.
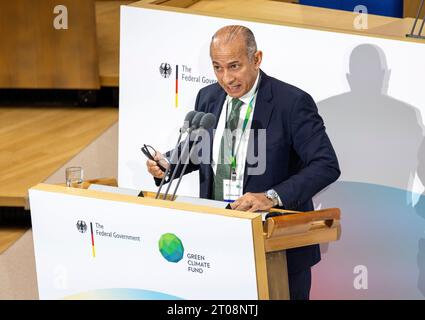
273 196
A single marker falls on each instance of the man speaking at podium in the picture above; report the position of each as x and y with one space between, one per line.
299 160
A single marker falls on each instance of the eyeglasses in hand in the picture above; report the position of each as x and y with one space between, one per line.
150 153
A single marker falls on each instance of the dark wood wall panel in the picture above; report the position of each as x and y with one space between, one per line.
34 54
411 8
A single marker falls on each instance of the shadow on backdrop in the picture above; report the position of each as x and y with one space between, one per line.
376 136
377 139
420 209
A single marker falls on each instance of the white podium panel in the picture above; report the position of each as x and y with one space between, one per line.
95 245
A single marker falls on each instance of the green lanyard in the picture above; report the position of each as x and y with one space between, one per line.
245 123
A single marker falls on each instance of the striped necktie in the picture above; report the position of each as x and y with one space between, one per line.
224 166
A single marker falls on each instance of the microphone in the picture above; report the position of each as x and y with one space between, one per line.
196 121
207 122
186 125
188 120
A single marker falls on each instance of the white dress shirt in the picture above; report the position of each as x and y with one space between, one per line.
241 152
243 140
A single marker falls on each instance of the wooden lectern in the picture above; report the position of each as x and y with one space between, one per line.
53 207
297 229
292 230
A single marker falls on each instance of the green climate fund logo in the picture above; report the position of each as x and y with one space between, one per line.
171 247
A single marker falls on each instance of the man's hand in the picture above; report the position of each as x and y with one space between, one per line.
252 202
153 167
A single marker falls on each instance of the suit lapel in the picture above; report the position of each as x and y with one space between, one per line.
215 107
260 120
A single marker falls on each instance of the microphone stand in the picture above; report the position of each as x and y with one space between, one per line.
185 146
185 165
182 130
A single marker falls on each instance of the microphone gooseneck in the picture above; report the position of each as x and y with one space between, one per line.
188 120
196 121
208 121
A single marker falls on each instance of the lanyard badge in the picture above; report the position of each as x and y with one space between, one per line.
232 188
233 169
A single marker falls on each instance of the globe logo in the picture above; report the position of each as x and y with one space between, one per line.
171 247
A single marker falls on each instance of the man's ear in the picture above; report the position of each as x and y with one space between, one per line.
258 57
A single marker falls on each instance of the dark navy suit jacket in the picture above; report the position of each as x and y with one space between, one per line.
300 159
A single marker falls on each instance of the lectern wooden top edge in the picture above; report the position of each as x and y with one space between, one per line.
144 200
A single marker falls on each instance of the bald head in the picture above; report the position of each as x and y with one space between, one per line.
235 59
235 33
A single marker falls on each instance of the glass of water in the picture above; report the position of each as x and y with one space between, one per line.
74 177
